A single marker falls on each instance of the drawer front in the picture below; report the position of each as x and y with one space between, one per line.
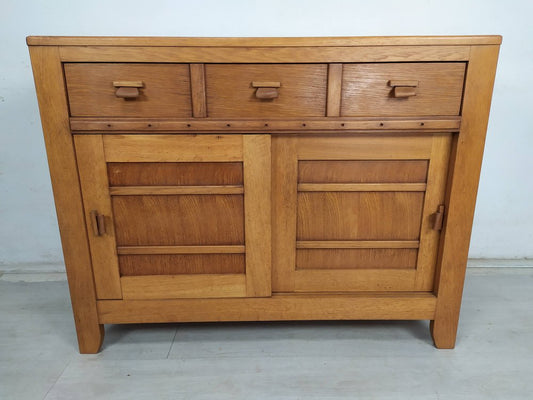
92 90
234 91
408 89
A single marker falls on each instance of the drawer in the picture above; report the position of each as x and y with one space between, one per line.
390 89
235 90
92 90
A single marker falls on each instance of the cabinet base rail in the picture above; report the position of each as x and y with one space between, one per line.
279 307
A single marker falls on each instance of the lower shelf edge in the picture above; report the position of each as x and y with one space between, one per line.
279 307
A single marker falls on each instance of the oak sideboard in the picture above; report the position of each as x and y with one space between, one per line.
255 179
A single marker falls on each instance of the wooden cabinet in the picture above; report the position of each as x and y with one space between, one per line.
264 179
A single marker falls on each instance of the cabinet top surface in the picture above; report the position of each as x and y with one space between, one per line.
263 41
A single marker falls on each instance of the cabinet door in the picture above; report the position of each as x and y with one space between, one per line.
177 216
357 213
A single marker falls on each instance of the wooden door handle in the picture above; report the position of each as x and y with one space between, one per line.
98 223
128 89
402 89
438 220
266 90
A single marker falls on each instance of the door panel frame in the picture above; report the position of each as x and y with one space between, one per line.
94 151
289 150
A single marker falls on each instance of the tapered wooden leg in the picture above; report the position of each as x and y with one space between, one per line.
444 333
90 338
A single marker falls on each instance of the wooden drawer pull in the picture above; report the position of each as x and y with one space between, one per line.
128 89
98 223
403 89
266 90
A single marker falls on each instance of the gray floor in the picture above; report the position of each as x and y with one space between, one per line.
310 360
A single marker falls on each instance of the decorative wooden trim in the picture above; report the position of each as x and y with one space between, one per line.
170 190
333 108
301 125
152 287
199 103
461 195
262 42
95 193
279 307
257 214
311 54
358 244
142 148
361 187
48 74
130 250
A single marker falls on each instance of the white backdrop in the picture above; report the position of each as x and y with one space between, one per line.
503 226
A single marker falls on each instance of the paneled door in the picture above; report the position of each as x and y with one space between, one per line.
357 213
177 216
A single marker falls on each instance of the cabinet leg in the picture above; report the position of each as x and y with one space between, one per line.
444 333
90 338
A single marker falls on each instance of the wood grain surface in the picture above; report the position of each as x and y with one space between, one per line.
166 91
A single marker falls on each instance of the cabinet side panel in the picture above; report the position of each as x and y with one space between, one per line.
461 196
51 94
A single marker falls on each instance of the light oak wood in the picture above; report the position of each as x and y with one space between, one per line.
48 74
125 250
155 287
155 220
352 171
361 187
265 178
257 214
171 148
364 216
264 84
94 187
231 94
346 259
284 203
357 244
334 90
175 174
359 215
436 188
262 42
365 147
199 106
181 264
461 195
169 190
375 306
350 280
406 53
165 91
295 126
366 89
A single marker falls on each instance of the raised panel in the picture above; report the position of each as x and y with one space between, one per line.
359 215
179 220
173 264
356 258
169 173
360 171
